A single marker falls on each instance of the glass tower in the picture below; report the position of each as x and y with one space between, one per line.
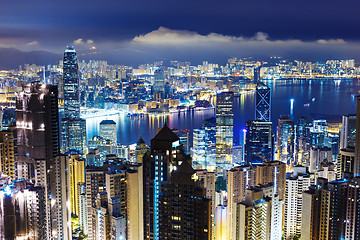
71 84
224 129
262 103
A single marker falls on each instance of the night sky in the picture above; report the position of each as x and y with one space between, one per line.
141 31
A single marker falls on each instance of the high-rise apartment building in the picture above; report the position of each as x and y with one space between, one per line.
259 142
262 102
7 158
77 178
294 187
224 129
37 127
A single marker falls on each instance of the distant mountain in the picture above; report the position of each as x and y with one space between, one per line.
11 58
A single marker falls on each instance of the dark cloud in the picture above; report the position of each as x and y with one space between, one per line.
114 25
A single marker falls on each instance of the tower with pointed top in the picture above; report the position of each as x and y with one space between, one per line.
73 128
170 192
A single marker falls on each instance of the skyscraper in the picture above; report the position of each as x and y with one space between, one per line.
285 140
224 129
294 188
262 102
7 161
348 131
108 130
38 159
174 204
37 127
73 129
71 84
259 142
73 135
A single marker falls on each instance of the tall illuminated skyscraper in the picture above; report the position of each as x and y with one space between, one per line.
71 84
285 140
262 102
38 159
73 129
224 129
259 142
37 127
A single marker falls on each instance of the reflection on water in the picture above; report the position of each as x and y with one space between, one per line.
331 97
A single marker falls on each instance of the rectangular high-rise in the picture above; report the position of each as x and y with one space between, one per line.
7 161
71 84
224 129
37 124
259 142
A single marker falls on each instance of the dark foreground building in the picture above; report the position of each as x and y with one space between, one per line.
175 206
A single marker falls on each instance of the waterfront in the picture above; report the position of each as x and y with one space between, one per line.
329 99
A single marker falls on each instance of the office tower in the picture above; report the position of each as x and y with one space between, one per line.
302 142
318 133
73 128
77 177
37 127
262 102
167 172
285 141
7 162
239 178
198 149
73 135
141 149
259 142
108 130
294 187
93 158
224 129
348 131
159 81
209 126
71 84
319 155
345 162
272 172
